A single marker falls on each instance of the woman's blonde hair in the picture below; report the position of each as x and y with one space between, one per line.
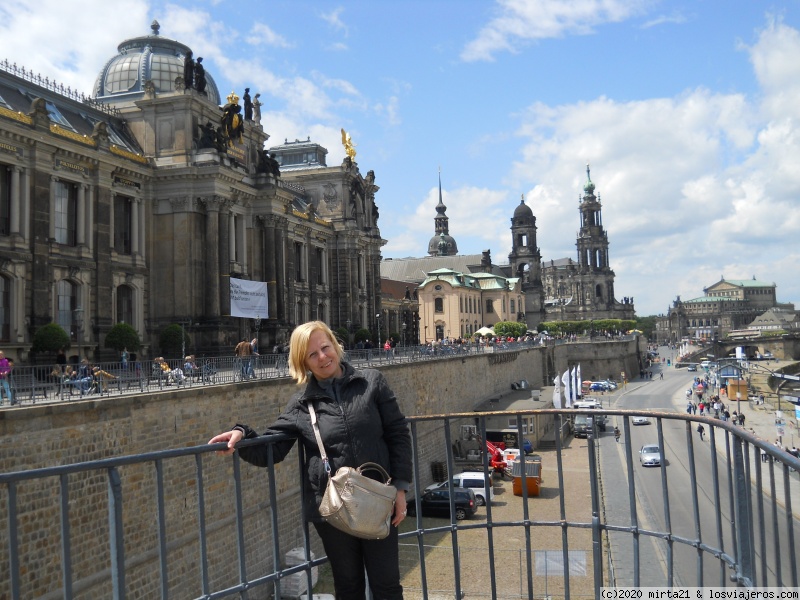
298 347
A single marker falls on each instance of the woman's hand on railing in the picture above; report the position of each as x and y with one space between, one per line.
233 437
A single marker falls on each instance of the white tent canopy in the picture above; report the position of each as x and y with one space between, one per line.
484 331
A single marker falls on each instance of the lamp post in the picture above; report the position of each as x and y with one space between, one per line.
378 322
403 327
738 402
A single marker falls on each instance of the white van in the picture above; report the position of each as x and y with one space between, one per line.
473 480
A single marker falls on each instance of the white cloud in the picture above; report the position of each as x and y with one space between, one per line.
54 39
521 21
334 19
262 34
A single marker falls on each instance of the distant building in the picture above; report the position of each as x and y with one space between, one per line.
728 305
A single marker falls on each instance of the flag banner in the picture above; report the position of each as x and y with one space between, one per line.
574 395
248 298
579 379
557 392
567 390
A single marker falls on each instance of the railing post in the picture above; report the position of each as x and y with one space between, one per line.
116 535
746 551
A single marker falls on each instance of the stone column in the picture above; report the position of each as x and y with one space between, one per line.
212 248
224 267
26 205
90 214
134 226
112 200
232 237
241 242
268 260
280 263
139 208
53 181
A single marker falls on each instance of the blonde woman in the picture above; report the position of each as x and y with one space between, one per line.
360 421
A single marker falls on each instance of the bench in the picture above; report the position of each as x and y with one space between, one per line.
28 385
126 378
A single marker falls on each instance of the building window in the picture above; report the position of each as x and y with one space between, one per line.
5 200
123 215
5 309
67 299
125 304
438 304
320 266
298 262
66 216
489 306
513 306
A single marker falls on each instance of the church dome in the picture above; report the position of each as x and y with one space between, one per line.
140 59
522 210
442 245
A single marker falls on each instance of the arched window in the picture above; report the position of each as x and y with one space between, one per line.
66 297
598 291
125 304
5 309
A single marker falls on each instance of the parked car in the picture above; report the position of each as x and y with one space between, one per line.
473 480
610 383
650 455
599 386
436 503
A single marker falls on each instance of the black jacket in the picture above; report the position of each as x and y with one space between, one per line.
365 425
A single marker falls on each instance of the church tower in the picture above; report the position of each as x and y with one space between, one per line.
593 265
442 243
526 262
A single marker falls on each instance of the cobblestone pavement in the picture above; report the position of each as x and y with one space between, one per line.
510 541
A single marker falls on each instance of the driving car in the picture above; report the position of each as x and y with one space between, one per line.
691 368
650 455
436 503
640 421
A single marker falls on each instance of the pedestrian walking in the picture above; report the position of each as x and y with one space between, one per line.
701 430
616 434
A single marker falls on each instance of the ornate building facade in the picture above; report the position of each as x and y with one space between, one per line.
139 204
555 290
727 305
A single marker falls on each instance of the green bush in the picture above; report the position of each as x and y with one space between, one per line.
172 340
510 328
362 335
123 336
343 336
50 338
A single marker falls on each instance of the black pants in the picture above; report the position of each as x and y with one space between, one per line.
350 556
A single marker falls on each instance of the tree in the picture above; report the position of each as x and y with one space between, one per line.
123 336
362 335
172 340
50 338
343 336
510 328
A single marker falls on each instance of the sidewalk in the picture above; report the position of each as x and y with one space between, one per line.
760 422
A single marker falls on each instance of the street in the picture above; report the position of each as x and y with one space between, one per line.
697 510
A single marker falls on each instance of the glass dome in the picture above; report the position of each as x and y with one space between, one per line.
150 57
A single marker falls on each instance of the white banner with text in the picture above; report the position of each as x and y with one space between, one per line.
248 298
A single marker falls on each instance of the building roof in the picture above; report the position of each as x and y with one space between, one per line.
415 270
744 283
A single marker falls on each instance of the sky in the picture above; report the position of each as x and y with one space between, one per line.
687 111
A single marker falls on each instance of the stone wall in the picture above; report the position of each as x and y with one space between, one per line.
78 431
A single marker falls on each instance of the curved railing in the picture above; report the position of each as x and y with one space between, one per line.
183 523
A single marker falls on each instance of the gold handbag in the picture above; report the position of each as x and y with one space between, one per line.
352 502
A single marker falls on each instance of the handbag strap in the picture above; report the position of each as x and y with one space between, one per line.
317 435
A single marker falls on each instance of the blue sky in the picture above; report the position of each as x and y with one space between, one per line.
687 111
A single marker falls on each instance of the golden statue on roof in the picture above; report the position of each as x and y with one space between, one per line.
349 146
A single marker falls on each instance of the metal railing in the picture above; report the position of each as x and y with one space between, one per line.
184 523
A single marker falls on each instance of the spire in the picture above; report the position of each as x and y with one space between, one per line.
589 187
440 208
